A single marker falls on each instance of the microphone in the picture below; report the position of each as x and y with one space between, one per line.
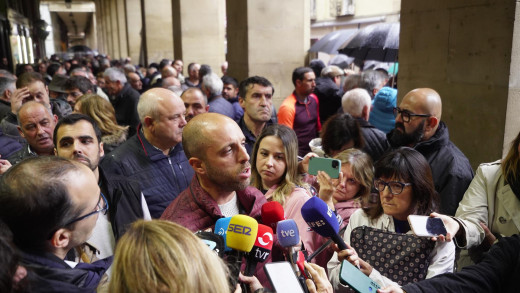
221 227
241 233
322 220
288 237
272 213
261 249
215 242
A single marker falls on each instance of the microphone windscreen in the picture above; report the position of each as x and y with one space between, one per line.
215 242
287 233
272 213
263 244
320 217
241 233
221 227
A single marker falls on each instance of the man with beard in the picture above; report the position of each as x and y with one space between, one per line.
77 137
418 124
256 98
214 145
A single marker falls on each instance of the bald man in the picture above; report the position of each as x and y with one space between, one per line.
214 145
418 124
154 156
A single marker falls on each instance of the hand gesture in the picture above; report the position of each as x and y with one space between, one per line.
19 97
319 283
328 187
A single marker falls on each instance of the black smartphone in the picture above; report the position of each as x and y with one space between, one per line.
330 166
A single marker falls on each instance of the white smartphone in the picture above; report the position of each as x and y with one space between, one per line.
282 277
425 226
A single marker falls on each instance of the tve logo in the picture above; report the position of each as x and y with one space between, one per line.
288 233
239 229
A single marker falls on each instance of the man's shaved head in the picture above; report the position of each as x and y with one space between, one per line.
426 99
196 135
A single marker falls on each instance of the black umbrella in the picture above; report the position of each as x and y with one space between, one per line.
331 42
378 41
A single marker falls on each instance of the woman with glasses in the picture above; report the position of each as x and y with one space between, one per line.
404 181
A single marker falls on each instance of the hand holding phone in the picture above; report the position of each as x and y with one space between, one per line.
355 279
330 166
425 226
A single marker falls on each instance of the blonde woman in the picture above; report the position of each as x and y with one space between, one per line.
99 109
161 256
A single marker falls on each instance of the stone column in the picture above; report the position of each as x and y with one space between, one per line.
268 39
133 29
199 32
463 50
159 29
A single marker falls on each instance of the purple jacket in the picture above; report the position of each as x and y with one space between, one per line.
196 210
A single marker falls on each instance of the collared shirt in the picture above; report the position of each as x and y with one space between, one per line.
250 137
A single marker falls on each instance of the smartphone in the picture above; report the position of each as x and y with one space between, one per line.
282 277
425 226
351 276
330 166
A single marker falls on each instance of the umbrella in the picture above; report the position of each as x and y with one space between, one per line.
331 42
342 61
378 41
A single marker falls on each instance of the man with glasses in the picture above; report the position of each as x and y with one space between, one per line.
77 137
49 214
418 124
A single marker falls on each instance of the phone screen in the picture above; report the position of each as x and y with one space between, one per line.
426 226
354 278
282 277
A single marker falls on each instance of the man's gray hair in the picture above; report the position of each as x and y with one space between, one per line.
7 83
115 74
147 106
213 83
354 101
27 104
372 79
332 71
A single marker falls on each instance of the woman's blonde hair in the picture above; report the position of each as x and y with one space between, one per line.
102 111
161 256
362 169
290 179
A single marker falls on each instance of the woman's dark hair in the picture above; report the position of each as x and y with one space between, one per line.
409 166
338 131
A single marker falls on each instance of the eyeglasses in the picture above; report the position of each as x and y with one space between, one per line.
407 115
395 187
102 207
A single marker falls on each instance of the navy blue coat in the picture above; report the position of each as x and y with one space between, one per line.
161 177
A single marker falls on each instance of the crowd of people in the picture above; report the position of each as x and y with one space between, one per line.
111 174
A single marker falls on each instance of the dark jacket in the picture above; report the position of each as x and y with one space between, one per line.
451 170
125 105
250 138
5 107
220 105
161 177
239 111
375 140
329 96
196 210
48 273
124 200
21 154
497 272
9 144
